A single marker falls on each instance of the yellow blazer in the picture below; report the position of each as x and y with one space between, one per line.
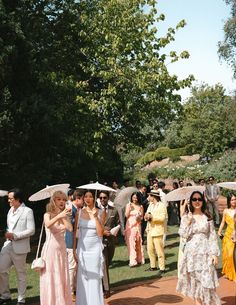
157 226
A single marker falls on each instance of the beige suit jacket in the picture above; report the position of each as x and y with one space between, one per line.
156 227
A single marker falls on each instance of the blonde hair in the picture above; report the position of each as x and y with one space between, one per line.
51 206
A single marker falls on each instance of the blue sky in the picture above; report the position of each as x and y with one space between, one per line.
204 29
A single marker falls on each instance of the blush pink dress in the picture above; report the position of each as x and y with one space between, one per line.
54 279
133 238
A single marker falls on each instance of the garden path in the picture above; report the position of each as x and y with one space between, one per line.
162 292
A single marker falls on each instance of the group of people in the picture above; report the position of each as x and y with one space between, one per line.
84 247
155 217
80 243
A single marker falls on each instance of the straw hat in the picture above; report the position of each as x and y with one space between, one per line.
154 193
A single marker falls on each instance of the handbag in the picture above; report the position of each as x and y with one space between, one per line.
39 263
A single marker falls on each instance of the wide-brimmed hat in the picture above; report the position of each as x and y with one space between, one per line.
154 193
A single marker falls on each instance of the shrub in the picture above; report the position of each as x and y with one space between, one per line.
224 168
165 152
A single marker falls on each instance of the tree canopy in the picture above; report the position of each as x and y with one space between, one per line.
77 79
227 48
208 122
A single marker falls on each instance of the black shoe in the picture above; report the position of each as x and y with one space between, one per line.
151 269
161 273
4 301
106 294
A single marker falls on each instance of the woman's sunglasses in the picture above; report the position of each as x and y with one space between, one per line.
197 199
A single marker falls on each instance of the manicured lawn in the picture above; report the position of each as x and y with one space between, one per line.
120 272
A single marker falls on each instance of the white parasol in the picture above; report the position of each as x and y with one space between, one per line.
184 192
3 193
228 185
96 186
48 191
124 195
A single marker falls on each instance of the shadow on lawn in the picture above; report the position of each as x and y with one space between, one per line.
14 290
162 298
29 300
135 281
119 263
172 236
171 266
122 263
173 245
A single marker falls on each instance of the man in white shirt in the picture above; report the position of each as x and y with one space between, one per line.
20 226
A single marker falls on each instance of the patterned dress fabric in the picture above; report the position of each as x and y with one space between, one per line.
133 237
90 257
197 276
54 279
228 250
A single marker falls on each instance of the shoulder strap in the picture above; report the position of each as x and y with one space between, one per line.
40 238
79 213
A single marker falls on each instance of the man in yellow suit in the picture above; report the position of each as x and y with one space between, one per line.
156 216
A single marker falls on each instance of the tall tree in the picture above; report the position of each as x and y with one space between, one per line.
78 78
227 48
208 122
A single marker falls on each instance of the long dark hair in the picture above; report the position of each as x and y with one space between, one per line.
230 195
139 197
204 208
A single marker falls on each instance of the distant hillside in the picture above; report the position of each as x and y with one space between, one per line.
183 160
162 153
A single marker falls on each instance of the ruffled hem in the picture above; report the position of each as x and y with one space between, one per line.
190 285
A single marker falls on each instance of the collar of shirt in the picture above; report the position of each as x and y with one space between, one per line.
12 216
14 211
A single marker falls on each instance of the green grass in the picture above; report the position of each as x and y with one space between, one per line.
120 272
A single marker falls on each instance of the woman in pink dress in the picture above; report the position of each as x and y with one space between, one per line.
133 237
54 279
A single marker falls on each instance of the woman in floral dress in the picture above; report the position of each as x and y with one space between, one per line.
133 236
198 277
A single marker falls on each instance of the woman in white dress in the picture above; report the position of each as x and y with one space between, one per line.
89 253
198 277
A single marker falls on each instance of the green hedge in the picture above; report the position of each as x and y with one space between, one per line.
165 152
223 168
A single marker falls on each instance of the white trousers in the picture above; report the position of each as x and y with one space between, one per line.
8 258
72 269
213 209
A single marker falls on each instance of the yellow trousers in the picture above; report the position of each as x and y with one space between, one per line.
155 248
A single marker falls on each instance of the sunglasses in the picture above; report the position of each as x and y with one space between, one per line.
197 199
102 198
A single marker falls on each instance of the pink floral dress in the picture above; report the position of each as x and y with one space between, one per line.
133 237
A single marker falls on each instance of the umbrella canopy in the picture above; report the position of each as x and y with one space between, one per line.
227 185
48 191
124 195
3 193
184 192
96 186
